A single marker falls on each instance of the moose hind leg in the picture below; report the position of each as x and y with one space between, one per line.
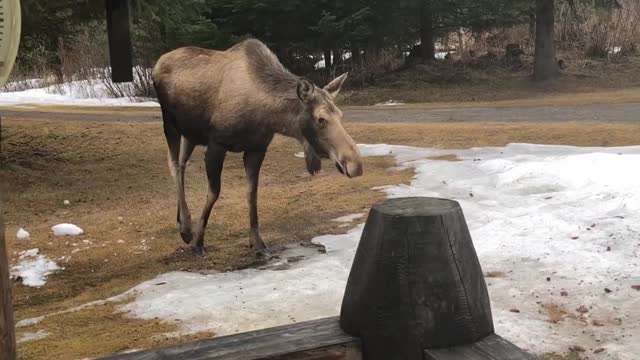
214 161
252 164
184 216
173 155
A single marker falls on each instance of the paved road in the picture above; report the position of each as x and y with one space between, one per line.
627 112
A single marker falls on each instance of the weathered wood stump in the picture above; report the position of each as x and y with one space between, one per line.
416 281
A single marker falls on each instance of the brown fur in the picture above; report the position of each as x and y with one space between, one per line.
237 100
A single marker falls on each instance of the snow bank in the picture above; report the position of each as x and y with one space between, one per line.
66 229
90 93
559 225
33 268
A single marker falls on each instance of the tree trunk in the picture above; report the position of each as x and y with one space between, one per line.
532 21
337 57
355 54
545 66
327 58
427 41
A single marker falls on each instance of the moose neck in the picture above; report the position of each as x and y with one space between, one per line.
286 118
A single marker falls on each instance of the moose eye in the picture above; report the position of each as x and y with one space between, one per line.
322 122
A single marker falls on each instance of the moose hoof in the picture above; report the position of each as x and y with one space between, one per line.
186 236
262 253
199 251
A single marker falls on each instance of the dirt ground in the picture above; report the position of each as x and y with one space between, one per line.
115 176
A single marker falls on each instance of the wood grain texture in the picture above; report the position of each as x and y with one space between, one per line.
312 340
492 347
416 281
7 326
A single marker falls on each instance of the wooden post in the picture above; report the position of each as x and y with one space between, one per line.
120 51
7 326
416 282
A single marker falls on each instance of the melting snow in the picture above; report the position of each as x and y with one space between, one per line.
29 321
22 234
390 103
38 335
349 218
33 268
561 222
66 229
90 93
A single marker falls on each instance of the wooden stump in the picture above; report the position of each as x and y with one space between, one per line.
415 282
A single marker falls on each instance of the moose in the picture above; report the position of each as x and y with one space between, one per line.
237 100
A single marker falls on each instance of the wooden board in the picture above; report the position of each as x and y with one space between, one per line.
492 347
312 340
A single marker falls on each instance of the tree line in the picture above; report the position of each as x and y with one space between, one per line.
300 32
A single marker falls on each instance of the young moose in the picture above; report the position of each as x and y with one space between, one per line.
236 100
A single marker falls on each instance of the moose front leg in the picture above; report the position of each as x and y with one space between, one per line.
214 161
252 164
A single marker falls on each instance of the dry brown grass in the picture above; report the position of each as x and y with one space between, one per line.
461 82
554 312
496 274
115 176
556 356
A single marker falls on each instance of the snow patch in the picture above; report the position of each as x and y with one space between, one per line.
66 229
29 321
348 218
34 268
22 234
88 93
32 336
441 55
615 50
308 289
390 103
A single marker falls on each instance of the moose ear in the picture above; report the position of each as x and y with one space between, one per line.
334 86
305 89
